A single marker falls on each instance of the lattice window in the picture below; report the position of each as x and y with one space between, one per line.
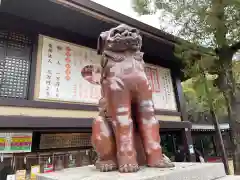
15 51
3 34
1 43
51 141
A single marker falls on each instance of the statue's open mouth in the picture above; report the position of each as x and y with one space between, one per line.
128 41
126 38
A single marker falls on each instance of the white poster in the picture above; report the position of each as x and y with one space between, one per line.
67 72
161 82
11 177
71 73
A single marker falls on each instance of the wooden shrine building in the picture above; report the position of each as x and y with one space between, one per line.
47 102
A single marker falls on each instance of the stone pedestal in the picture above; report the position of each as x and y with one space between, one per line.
230 178
182 171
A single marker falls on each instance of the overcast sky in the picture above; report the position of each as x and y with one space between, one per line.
125 7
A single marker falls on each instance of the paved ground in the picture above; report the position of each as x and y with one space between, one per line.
182 171
230 178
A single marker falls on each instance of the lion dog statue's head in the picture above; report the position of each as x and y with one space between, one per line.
119 39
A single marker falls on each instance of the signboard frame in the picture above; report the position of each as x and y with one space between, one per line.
164 97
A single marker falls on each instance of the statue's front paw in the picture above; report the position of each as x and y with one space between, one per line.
128 168
105 166
108 167
127 162
165 162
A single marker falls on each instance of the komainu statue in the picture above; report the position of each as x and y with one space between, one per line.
126 133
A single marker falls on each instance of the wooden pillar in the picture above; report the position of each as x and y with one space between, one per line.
186 133
188 145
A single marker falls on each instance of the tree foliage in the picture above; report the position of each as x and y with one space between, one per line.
213 28
236 72
199 20
196 98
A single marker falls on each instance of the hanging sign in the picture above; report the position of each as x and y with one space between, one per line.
15 142
2 143
11 177
34 171
21 175
48 168
71 73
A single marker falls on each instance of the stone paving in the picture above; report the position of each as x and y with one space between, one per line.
230 178
182 171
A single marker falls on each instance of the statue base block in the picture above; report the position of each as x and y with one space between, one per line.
182 171
230 178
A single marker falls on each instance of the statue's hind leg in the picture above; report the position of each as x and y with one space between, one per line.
119 106
149 129
104 144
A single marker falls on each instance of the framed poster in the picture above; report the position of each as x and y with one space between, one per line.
68 72
160 80
71 73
